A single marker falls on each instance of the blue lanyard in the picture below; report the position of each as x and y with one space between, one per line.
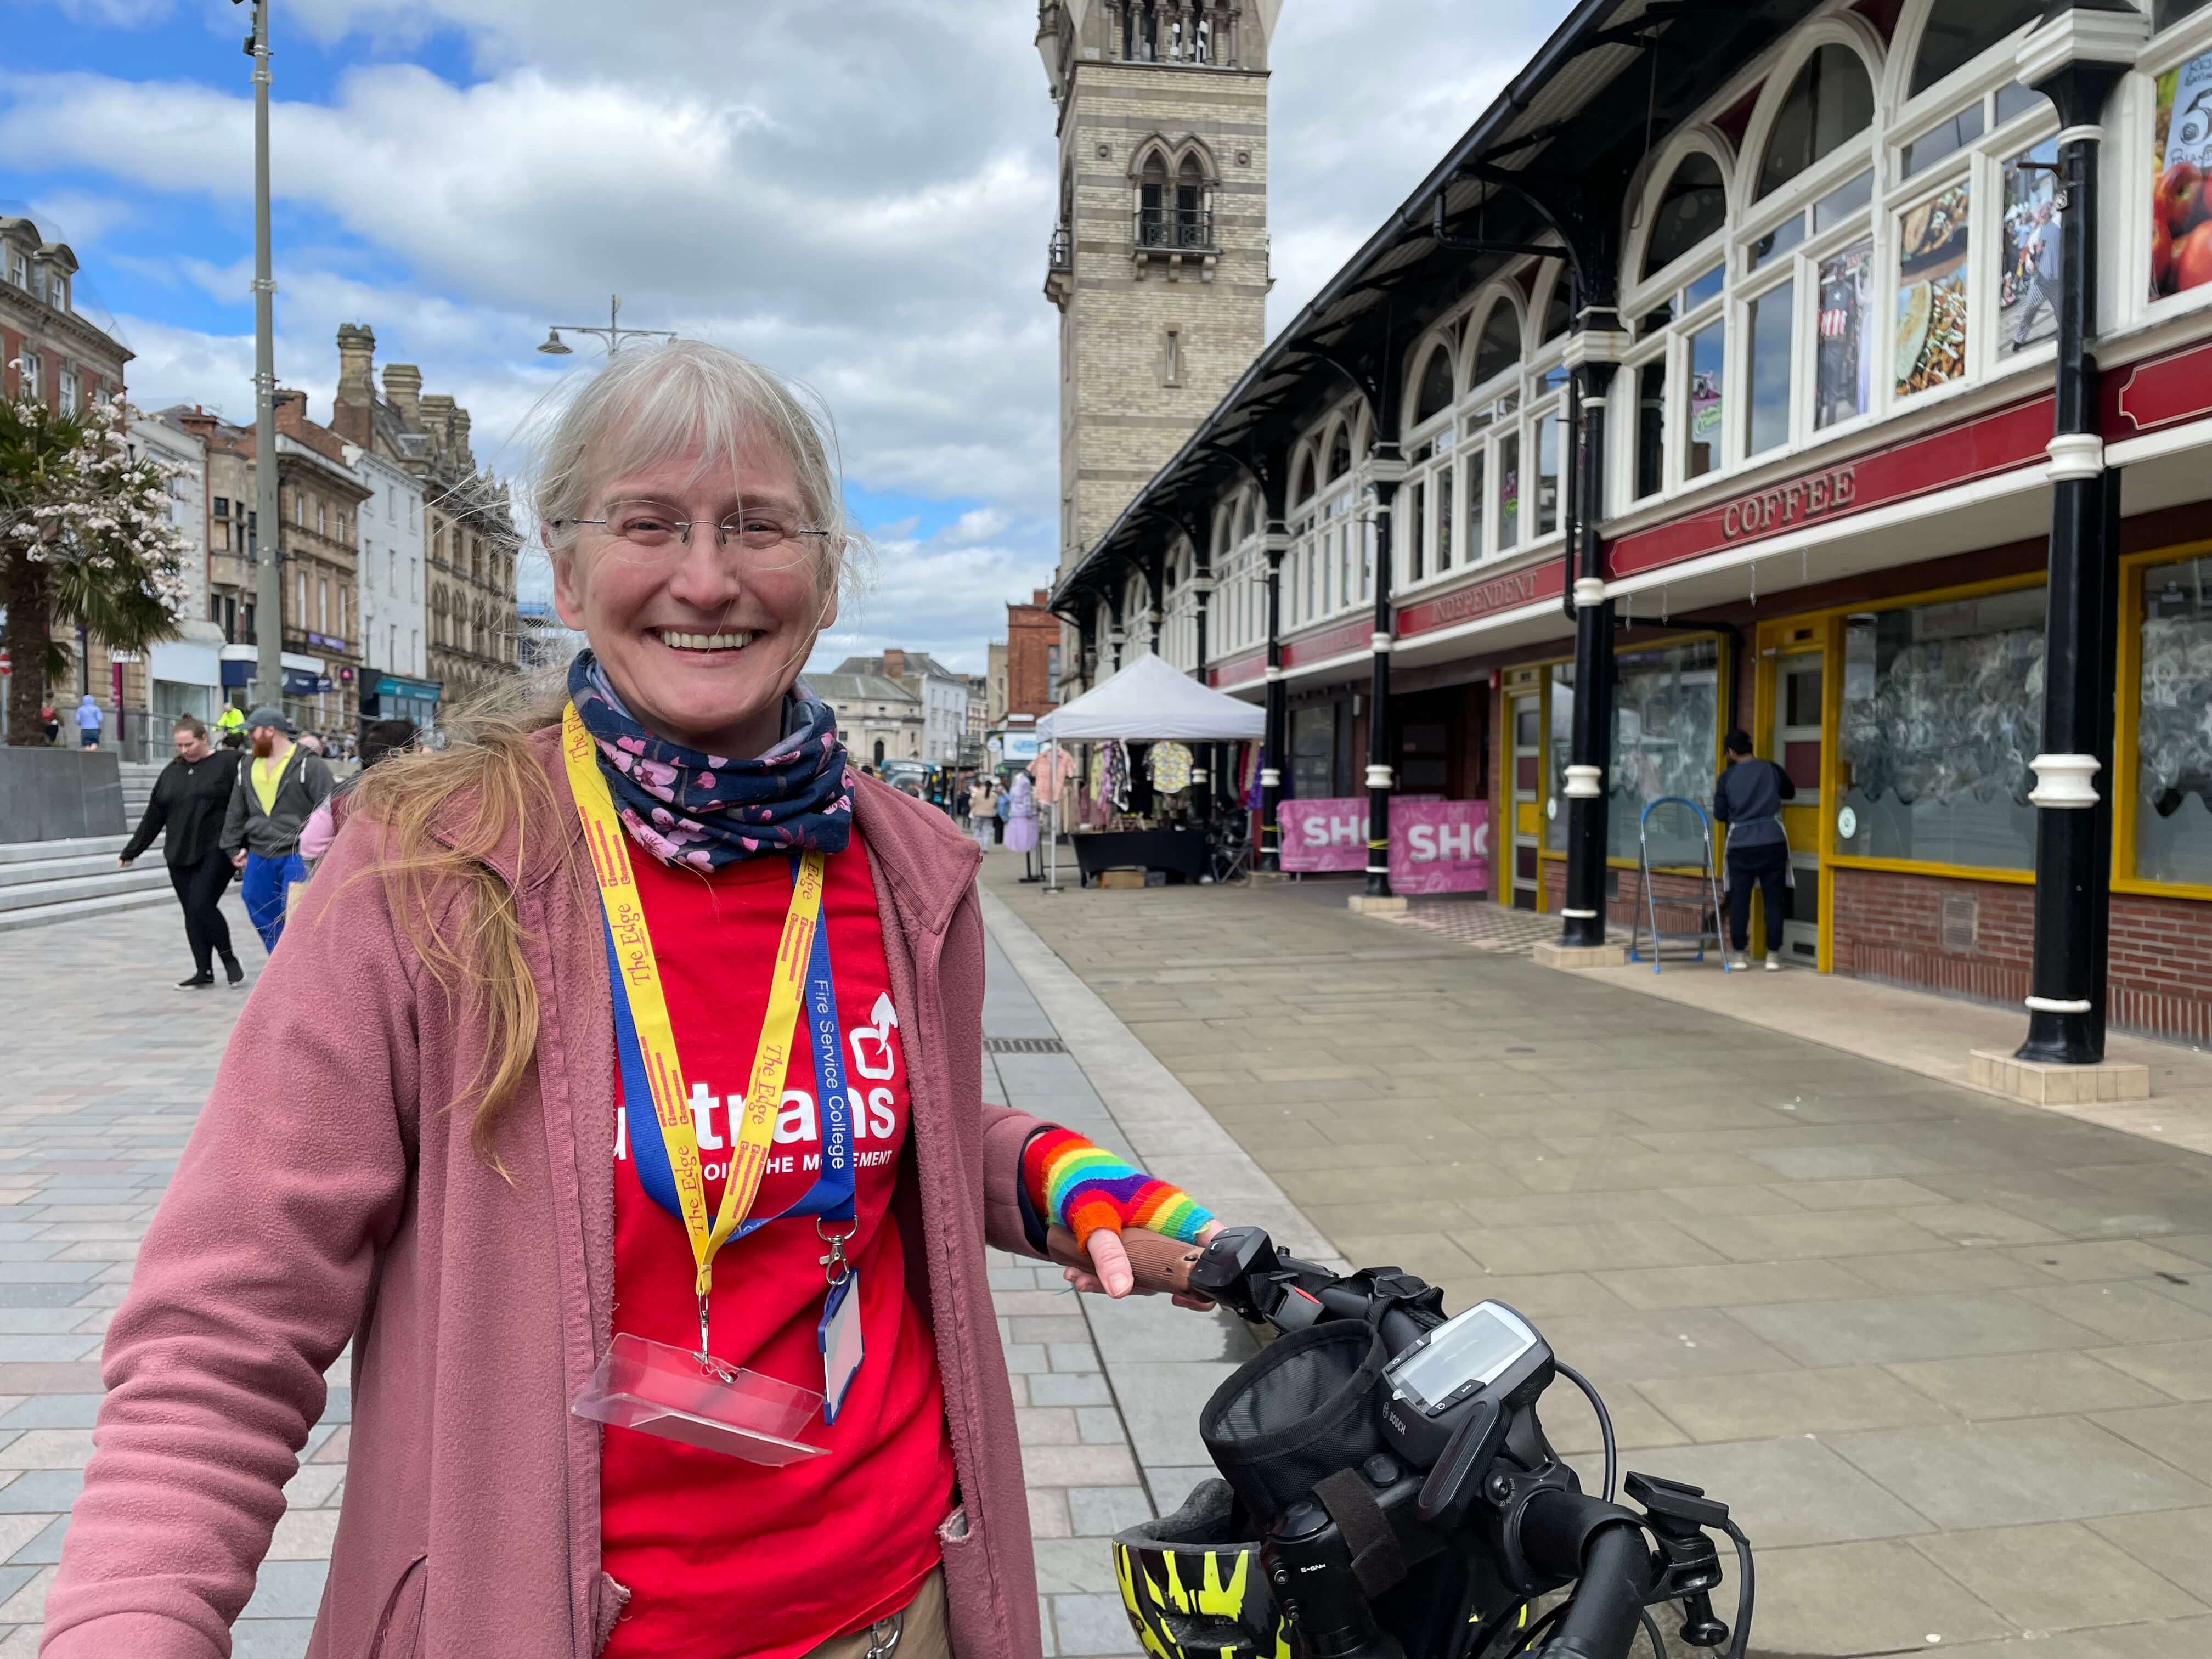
832 1197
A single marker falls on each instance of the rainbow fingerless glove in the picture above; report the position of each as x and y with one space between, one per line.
1087 1189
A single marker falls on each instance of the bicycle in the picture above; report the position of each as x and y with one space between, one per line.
1386 1474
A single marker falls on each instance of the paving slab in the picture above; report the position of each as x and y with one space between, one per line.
1872 1307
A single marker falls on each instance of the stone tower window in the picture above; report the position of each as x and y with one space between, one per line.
1152 204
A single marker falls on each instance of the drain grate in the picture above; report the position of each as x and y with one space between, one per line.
1004 1045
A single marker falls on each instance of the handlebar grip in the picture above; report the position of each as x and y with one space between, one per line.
1600 1621
1162 1264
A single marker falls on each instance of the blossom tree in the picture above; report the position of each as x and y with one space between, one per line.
87 538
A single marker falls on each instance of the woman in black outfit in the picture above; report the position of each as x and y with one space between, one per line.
190 797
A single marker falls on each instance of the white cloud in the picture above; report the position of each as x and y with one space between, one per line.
859 197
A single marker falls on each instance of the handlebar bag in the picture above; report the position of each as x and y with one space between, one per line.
1304 1407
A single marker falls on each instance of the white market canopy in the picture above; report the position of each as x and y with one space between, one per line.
1148 701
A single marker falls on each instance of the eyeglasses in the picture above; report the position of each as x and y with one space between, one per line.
651 533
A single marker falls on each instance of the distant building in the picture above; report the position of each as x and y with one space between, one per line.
1033 660
51 350
546 641
994 674
395 626
183 676
472 629
942 693
879 718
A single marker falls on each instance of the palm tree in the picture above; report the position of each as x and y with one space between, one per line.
85 540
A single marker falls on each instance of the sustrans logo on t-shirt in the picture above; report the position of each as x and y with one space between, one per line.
873 1110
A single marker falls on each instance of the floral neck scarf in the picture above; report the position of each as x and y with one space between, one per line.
704 811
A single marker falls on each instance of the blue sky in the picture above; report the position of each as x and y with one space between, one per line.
859 196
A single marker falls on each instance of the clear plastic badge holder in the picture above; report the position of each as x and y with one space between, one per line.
672 1393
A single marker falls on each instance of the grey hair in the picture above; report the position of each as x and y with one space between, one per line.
653 404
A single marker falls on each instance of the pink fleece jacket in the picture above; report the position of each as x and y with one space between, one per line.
330 1193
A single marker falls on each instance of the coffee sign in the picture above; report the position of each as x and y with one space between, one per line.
1768 510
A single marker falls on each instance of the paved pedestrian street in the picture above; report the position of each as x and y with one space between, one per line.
109 1067
1950 1358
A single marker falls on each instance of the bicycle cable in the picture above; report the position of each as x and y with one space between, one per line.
1604 1421
1651 1630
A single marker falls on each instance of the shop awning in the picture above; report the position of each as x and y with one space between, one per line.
1149 700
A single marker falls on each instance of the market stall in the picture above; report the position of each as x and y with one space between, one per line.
1146 702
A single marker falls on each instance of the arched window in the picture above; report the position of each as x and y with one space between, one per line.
1831 102
1960 31
1340 454
1251 522
1152 202
1499 348
879 751
1693 207
1190 204
1302 486
1436 393
1559 309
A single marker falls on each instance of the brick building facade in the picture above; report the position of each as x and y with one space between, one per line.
1033 660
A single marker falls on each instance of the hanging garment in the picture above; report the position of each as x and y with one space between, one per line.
1171 765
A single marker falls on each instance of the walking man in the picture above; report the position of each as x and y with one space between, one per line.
278 790
191 800
2043 276
88 719
1748 799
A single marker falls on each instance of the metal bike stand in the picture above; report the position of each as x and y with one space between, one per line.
1651 907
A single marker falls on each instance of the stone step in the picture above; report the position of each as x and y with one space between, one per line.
31 872
32 852
42 915
154 879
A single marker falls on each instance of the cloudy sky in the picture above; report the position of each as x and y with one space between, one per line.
858 193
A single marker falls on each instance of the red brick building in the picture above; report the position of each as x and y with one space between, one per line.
1032 657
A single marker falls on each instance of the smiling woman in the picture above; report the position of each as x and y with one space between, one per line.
527 1114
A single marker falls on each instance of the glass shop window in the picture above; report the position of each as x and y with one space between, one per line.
1843 360
1651 427
2174 735
1932 291
1702 431
1770 317
1509 492
1942 711
2028 284
1666 741
2181 157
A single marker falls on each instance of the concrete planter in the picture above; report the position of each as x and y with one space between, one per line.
51 794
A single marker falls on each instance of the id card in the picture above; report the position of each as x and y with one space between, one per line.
839 1338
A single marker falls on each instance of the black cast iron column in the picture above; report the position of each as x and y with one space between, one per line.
1589 751
1271 753
1389 470
2073 815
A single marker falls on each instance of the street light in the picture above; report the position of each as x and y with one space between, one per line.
614 333
269 583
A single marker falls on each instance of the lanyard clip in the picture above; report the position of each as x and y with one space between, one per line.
834 1265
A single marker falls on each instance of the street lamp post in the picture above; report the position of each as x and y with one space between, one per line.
614 333
269 574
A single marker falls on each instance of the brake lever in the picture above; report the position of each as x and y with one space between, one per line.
1457 1477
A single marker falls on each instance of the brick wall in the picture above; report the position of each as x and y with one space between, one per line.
1681 901
1031 632
1889 927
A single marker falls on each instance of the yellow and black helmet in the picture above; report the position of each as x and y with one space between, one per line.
1193 1588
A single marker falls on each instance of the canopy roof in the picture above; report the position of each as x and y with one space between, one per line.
1147 701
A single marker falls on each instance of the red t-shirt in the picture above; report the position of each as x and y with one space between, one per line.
724 1558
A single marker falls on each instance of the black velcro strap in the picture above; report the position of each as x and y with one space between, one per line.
1376 1561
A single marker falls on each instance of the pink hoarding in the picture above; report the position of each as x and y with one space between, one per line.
1439 846
1323 834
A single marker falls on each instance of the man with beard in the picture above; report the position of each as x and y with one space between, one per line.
278 790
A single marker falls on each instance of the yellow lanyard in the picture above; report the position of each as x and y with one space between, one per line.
640 985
